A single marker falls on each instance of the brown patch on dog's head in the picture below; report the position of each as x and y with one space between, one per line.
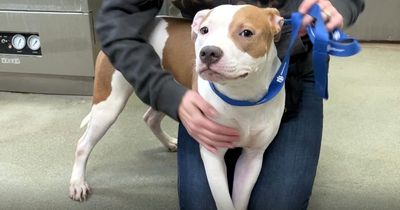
262 24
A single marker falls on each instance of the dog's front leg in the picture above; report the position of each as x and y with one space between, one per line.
247 169
215 167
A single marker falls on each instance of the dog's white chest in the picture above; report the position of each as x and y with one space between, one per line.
257 124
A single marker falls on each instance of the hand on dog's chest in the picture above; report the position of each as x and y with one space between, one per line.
259 122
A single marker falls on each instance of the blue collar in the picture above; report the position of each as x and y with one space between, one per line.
335 43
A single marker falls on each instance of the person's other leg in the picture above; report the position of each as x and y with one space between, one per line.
290 162
193 189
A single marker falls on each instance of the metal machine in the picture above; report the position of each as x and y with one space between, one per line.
48 46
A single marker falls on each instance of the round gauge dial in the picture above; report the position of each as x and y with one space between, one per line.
18 42
34 42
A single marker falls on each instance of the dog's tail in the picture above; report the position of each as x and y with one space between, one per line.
85 120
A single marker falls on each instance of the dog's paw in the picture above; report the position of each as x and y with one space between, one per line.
79 191
172 146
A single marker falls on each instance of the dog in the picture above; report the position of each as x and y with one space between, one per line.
171 39
234 49
241 67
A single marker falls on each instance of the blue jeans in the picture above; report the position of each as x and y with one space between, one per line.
289 166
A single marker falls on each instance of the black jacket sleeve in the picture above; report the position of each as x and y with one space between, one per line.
350 9
119 25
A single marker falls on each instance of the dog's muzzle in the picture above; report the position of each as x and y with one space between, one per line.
210 54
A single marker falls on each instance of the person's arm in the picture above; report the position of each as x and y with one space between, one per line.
119 25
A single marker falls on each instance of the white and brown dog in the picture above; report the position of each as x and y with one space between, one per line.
234 49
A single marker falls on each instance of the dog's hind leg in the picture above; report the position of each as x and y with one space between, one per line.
153 119
105 110
100 119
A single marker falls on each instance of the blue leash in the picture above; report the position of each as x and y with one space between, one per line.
335 43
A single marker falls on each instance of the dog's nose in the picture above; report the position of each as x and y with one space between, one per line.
210 54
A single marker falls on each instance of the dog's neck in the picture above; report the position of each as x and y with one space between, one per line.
256 84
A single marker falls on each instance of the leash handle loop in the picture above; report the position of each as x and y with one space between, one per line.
335 43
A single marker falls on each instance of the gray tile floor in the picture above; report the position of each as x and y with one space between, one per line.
129 168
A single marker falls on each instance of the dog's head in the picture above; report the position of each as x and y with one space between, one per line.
231 42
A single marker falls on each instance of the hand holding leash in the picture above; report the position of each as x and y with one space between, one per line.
325 43
333 19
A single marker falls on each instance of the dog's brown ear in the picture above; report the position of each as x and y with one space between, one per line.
198 19
276 22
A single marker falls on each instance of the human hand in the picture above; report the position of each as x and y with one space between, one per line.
333 19
195 113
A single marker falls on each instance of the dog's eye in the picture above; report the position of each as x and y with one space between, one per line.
246 33
204 30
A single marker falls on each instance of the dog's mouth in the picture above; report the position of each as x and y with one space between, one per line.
210 74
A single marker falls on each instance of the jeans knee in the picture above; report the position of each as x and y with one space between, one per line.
286 194
195 196
281 201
